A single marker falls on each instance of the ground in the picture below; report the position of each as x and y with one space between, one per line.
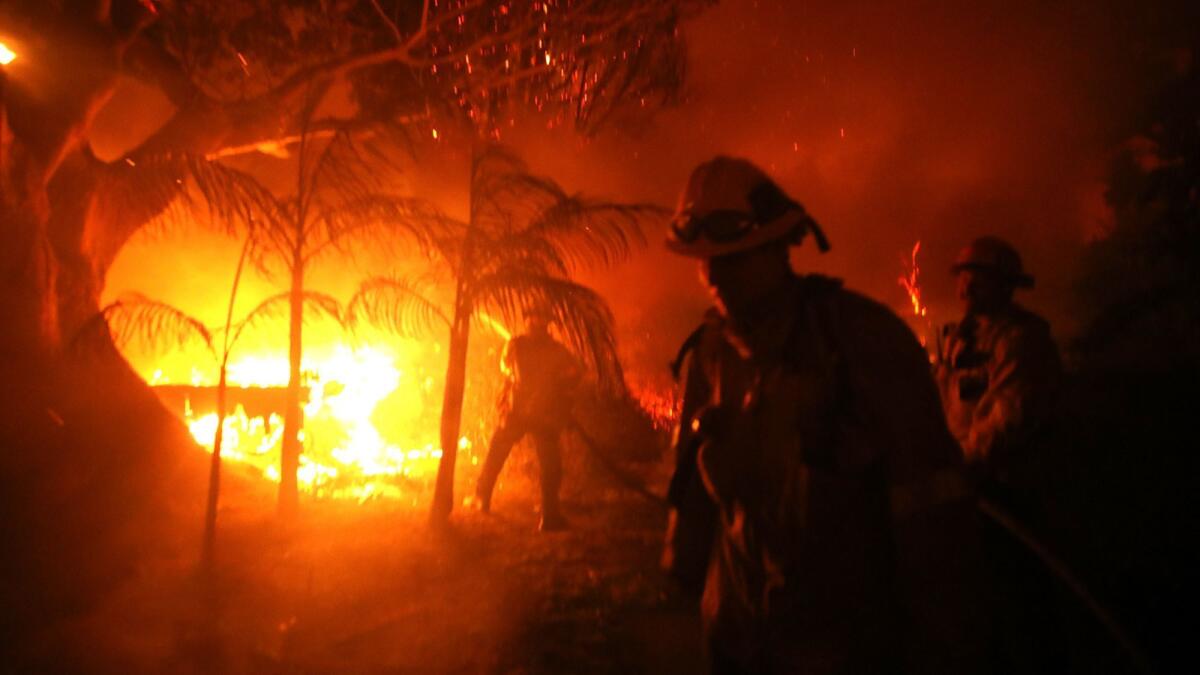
372 588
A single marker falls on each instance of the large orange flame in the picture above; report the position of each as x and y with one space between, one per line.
370 420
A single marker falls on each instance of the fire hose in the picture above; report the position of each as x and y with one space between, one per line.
1064 574
626 479
1052 563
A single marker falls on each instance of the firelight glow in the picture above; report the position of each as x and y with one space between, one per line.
369 424
7 55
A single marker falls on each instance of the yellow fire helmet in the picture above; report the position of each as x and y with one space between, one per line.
730 206
994 255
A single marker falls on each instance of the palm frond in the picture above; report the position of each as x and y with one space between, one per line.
571 235
278 307
582 316
353 163
381 221
272 243
509 201
594 233
182 188
504 193
397 304
519 250
493 161
135 320
449 244
335 166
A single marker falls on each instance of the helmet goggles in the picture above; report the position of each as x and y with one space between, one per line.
721 226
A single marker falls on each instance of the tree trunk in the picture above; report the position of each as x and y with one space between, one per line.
214 474
289 461
456 376
452 402
97 478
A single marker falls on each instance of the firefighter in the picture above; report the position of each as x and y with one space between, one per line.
998 377
537 400
999 370
813 455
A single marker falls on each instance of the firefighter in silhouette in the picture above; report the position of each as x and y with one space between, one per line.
999 370
998 375
818 497
537 400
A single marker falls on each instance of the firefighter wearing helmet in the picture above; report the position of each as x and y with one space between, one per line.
998 376
1000 368
542 377
818 499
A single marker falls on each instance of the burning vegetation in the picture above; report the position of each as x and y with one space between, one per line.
367 423
346 378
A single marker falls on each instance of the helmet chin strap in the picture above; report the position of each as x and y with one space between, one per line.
807 226
819 235
769 202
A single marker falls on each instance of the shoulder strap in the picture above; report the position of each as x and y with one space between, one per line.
691 343
688 346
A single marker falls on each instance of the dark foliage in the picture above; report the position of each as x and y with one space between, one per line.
1141 283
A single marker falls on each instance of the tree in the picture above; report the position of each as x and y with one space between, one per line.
238 74
1141 281
157 326
340 201
523 238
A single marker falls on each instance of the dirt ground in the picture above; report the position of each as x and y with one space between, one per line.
364 589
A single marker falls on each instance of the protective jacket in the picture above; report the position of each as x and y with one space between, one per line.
543 375
999 380
845 536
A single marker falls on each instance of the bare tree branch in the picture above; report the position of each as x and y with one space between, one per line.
387 20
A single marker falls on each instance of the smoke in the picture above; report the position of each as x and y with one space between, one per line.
912 121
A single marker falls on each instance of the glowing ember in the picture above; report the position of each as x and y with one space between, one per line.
7 55
661 403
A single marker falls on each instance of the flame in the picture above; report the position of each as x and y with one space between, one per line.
662 403
370 420
495 325
7 55
912 283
